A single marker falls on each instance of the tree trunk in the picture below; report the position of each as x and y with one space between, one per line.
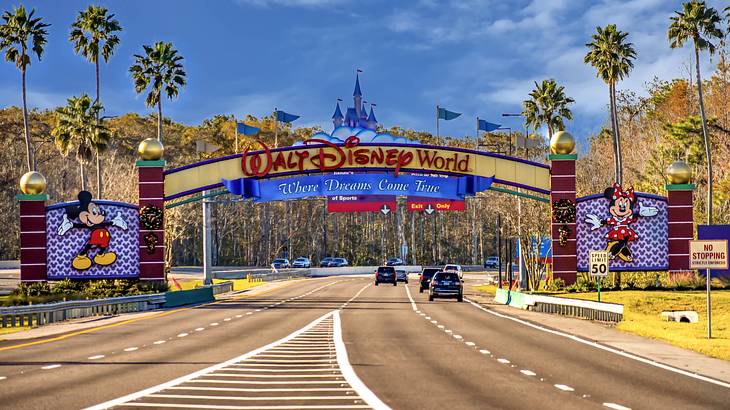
618 136
98 154
614 133
706 137
28 147
82 174
159 118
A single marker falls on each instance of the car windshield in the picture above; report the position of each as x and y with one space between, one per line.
447 276
428 273
339 260
279 260
385 269
401 271
451 267
326 259
301 260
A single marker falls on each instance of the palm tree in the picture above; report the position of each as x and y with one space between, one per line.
612 57
92 32
698 23
77 128
159 68
547 106
15 33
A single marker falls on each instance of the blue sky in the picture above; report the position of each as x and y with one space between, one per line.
478 57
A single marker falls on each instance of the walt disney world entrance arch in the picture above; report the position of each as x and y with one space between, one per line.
354 167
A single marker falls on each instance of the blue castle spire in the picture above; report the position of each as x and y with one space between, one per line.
372 122
357 92
337 117
357 115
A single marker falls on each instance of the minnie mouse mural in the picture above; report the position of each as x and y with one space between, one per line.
621 207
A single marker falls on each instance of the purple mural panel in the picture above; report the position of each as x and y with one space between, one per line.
123 242
650 250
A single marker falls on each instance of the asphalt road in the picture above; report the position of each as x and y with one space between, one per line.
381 346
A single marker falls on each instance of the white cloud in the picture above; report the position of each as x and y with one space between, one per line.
292 3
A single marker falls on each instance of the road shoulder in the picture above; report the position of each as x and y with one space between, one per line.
654 350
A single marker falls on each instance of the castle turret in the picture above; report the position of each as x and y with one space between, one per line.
337 117
372 122
357 96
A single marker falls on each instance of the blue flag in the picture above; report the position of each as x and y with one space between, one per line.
487 126
285 117
247 129
444 114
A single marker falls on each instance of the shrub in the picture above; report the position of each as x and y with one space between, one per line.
556 285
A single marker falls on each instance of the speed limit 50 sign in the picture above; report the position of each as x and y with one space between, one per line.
598 265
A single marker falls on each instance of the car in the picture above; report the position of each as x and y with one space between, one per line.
401 275
338 263
446 284
385 274
280 263
324 263
301 263
454 268
425 278
395 262
491 262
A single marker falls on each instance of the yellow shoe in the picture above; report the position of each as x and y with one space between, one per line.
81 262
105 259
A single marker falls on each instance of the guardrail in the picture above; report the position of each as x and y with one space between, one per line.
38 315
223 287
586 309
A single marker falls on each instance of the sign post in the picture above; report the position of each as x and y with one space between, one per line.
598 267
708 254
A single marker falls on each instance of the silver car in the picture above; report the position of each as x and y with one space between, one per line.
401 275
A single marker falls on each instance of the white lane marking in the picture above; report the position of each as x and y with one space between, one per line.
214 324
228 319
199 329
258 310
504 361
470 343
131 349
602 347
98 356
239 316
440 326
51 366
3 377
159 342
182 335
249 313
616 406
484 351
458 337
249 390
428 317
448 331
346 369
422 314
528 372
564 387
434 322
244 398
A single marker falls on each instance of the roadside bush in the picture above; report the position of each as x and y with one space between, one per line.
27 290
556 285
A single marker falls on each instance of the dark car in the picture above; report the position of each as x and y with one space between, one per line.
338 263
325 262
385 274
395 262
426 276
446 285
280 263
401 275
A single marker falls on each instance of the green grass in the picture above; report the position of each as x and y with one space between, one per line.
238 284
642 316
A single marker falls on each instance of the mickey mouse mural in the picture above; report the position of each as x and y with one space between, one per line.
92 218
621 207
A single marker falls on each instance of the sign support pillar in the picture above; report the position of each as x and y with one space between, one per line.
32 237
562 186
151 194
681 225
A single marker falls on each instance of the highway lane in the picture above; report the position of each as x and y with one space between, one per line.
411 353
448 354
108 363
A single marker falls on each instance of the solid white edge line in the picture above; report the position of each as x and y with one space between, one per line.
413 303
616 406
346 369
603 347
183 379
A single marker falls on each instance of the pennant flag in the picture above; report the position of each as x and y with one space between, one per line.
483 125
444 114
285 117
247 129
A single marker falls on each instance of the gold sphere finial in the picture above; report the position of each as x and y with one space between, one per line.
562 143
150 149
32 183
679 173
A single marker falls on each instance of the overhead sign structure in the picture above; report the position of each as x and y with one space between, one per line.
708 254
599 263
430 205
359 203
